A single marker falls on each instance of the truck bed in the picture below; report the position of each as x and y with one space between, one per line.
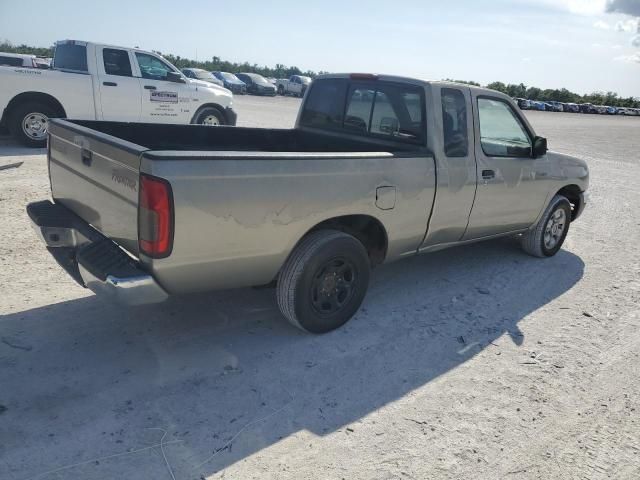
205 139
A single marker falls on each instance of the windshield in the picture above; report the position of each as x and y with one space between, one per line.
230 77
258 79
203 75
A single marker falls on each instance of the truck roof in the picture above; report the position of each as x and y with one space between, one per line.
410 80
83 42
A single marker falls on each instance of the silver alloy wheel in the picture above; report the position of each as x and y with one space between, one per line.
555 228
211 120
34 125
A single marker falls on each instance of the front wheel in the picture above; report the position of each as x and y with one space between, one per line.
29 122
210 116
546 238
324 281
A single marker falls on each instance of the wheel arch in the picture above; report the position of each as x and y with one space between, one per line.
209 105
572 193
367 229
39 97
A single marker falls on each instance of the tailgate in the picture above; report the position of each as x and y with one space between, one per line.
96 176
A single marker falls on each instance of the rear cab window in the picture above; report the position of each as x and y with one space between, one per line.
71 57
375 109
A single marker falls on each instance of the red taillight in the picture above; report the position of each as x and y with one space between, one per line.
155 217
363 76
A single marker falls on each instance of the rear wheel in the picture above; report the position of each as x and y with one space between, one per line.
29 122
324 281
546 238
210 116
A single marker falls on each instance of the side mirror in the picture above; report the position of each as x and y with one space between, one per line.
539 147
389 125
175 77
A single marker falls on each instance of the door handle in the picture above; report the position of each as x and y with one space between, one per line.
488 174
87 156
149 87
110 84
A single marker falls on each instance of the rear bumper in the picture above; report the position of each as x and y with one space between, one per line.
92 259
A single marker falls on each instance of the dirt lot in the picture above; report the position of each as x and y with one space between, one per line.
478 362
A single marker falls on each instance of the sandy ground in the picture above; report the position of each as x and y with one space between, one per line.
478 362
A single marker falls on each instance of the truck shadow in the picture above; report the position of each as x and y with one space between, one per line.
225 376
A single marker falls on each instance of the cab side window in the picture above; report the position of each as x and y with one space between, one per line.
11 61
116 62
454 122
152 67
501 131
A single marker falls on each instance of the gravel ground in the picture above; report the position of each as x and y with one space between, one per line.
478 362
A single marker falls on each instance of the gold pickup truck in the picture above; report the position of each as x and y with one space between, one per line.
377 168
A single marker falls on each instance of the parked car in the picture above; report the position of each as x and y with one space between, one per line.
523 103
202 75
572 108
555 106
295 85
231 82
600 109
535 105
91 81
624 111
23 60
587 108
257 84
611 110
171 209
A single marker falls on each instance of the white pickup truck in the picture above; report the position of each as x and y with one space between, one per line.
90 81
295 85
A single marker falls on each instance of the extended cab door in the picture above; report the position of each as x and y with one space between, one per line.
510 192
119 88
163 101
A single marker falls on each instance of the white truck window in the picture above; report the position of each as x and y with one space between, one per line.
501 133
11 61
116 62
152 67
70 57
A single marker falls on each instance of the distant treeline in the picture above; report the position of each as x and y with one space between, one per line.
282 71
562 95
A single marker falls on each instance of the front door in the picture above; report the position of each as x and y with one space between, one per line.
163 101
119 89
509 194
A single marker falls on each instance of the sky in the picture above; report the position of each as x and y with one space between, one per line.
582 45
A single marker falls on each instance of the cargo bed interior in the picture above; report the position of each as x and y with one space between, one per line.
203 138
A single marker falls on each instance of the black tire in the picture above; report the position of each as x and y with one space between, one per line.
302 92
536 241
207 113
280 90
33 110
309 281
